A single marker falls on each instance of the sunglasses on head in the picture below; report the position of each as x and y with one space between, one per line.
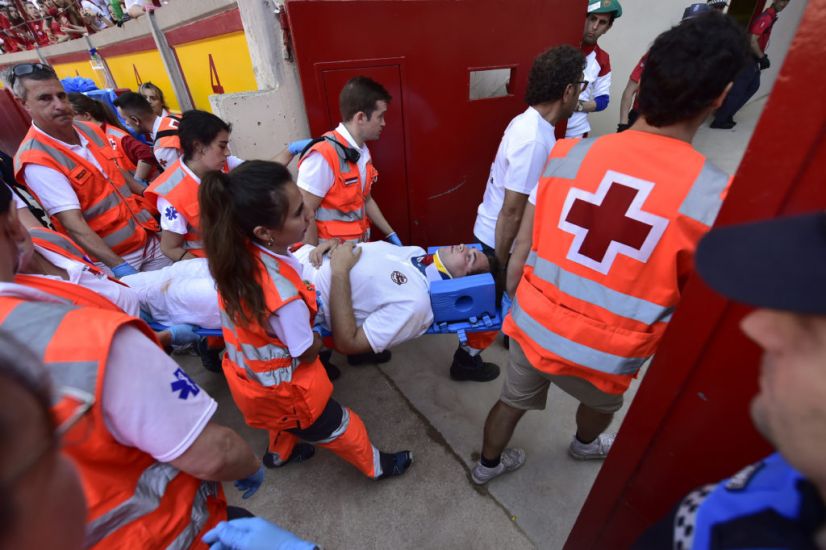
29 68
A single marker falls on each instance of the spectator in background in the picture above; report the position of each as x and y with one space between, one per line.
719 5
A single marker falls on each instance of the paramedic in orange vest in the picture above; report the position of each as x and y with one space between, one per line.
524 148
596 279
132 155
336 174
133 437
44 489
251 216
204 140
163 130
70 169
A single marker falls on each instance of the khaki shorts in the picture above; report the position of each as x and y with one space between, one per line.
526 388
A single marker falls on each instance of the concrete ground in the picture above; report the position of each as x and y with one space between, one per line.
411 403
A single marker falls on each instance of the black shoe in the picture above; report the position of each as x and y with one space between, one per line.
467 367
506 342
333 372
210 357
369 358
395 464
302 452
725 125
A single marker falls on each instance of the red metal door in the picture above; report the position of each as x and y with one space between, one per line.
391 191
448 140
689 423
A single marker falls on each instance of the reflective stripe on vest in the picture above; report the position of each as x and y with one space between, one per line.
268 352
57 154
592 292
571 350
36 323
90 135
704 199
283 285
120 236
173 180
333 215
567 167
57 240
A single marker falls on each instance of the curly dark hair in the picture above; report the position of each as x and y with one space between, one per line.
551 73
689 66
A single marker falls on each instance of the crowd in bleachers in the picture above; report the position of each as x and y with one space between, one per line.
51 21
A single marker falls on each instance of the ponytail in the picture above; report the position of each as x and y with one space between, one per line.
232 206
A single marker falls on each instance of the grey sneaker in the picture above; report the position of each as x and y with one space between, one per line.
511 459
595 450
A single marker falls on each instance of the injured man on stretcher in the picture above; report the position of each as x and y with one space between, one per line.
389 287
389 291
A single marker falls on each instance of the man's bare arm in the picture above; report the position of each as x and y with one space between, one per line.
627 100
90 241
371 207
219 454
507 224
522 247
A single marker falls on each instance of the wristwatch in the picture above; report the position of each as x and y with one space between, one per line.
579 106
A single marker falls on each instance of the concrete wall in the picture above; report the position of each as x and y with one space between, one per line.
264 121
643 20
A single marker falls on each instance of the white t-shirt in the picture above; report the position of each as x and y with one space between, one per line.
145 404
52 189
170 219
316 176
166 156
522 154
80 274
391 298
597 85
183 292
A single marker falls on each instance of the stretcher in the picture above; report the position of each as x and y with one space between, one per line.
460 306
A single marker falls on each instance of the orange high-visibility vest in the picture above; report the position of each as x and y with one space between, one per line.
115 136
269 386
106 202
73 293
617 221
341 213
167 135
178 187
134 501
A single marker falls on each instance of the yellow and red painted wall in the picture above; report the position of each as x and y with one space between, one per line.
212 53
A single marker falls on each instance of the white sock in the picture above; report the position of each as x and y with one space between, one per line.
473 352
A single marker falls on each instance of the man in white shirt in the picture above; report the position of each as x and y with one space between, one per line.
338 201
597 93
383 298
42 95
553 89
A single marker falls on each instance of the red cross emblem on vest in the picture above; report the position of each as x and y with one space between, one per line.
611 221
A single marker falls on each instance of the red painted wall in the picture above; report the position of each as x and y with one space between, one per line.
438 146
689 423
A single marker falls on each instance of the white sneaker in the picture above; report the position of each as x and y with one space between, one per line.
510 460
595 450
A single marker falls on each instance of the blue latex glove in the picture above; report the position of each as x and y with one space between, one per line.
295 147
183 334
253 534
251 484
392 238
123 270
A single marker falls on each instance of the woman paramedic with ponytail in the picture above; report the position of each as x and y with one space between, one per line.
250 217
